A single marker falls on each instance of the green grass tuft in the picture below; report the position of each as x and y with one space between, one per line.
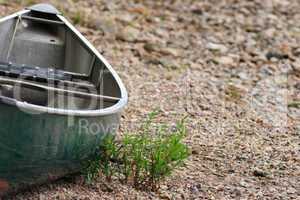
142 159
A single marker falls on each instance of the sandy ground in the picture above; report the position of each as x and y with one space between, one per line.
231 66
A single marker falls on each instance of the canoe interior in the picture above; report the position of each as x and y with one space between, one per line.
42 50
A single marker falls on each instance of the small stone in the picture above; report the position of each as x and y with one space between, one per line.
281 80
260 173
266 70
60 195
161 32
181 194
276 55
296 66
297 86
195 189
169 51
270 33
296 52
110 5
129 34
169 63
225 60
165 195
42 197
107 188
291 190
244 184
126 18
294 104
107 24
150 47
195 151
243 76
197 11
236 193
164 187
153 47
140 10
239 38
217 47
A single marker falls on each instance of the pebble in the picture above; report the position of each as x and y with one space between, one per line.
161 33
169 63
297 86
165 195
260 173
296 52
195 150
225 60
107 24
291 190
296 66
266 70
126 18
129 34
276 55
156 47
107 188
170 51
244 184
270 33
243 76
150 47
217 47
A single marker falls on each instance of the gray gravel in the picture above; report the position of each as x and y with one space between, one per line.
231 66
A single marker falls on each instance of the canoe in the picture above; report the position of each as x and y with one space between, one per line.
58 98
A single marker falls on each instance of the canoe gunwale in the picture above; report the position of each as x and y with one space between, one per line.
17 14
116 108
42 20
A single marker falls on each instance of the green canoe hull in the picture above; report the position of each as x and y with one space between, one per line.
48 66
38 148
